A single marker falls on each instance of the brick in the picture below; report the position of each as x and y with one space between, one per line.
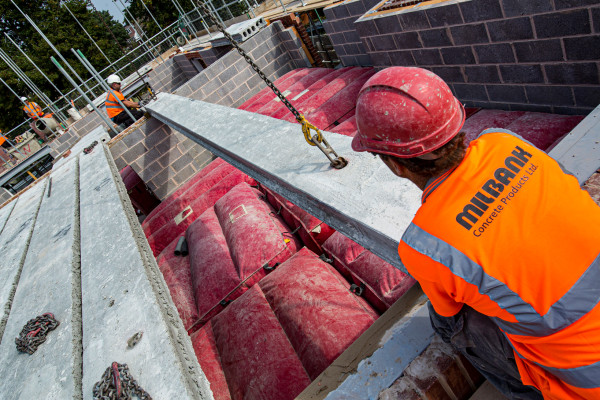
470 92
596 19
436 38
482 74
381 59
495 53
444 15
341 11
518 7
184 175
401 389
388 24
210 86
572 110
120 163
352 36
567 73
449 74
510 29
403 58
458 55
228 74
363 60
352 48
172 155
521 74
582 48
366 28
530 107
414 21
150 171
587 96
182 162
408 40
469 34
162 177
555 95
563 23
539 51
134 153
507 93
356 8
427 57
383 43
133 137
184 91
155 138
481 10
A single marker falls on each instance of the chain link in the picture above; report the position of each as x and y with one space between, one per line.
317 139
34 332
118 384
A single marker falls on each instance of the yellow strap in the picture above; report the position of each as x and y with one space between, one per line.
306 128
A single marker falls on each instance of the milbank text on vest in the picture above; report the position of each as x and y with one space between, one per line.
497 187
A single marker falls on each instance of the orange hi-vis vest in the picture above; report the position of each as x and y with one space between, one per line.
113 108
509 233
33 110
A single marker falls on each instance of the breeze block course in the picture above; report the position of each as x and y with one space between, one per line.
164 158
492 53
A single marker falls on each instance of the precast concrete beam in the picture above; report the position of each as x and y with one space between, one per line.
364 201
124 294
46 285
579 151
14 242
5 213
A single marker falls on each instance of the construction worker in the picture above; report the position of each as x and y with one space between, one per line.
33 110
506 245
114 110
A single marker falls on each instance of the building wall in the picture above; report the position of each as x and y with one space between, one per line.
167 76
538 55
165 159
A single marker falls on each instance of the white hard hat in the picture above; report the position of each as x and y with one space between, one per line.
23 98
113 79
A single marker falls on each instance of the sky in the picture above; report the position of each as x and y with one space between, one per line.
111 7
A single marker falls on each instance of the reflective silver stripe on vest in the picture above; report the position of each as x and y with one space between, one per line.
113 104
585 377
583 296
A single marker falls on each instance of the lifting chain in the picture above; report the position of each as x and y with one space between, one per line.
34 332
314 140
118 384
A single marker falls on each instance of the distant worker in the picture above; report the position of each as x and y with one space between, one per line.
114 110
33 110
505 244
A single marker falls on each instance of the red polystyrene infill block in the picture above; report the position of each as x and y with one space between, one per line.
266 90
208 357
543 129
346 128
311 230
307 105
294 90
384 284
197 189
282 85
485 119
159 239
320 316
283 111
258 360
338 105
233 246
350 114
167 202
177 274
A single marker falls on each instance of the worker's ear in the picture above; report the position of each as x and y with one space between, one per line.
394 166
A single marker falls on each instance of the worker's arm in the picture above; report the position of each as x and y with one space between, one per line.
129 103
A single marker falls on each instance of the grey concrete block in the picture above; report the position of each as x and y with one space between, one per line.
469 34
482 74
572 73
436 37
501 53
587 96
539 51
510 29
521 74
582 48
506 93
133 137
470 92
553 95
408 40
444 15
458 55
449 74
387 23
381 59
596 19
517 7
414 21
427 57
366 28
383 43
481 10
562 23
134 152
402 58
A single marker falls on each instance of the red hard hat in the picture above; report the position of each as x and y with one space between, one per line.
406 112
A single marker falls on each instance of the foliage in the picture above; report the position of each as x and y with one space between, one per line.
55 21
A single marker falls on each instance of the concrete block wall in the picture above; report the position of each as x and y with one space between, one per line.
340 28
167 77
76 130
186 66
541 55
165 159
212 54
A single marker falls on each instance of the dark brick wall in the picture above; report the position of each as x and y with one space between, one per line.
541 55
167 77
164 158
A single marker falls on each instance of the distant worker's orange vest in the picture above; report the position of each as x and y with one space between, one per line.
33 110
514 237
113 108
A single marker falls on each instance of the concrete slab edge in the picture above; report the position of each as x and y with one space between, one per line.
197 384
76 294
15 283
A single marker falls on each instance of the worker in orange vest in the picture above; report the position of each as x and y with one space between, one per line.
506 244
33 110
114 110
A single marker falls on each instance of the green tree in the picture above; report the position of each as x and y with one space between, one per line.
62 30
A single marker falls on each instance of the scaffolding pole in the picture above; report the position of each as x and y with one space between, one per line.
156 22
86 32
